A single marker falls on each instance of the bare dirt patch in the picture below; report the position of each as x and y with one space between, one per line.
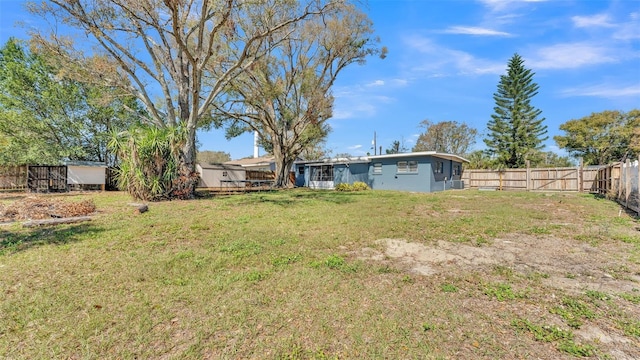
569 265
565 268
38 208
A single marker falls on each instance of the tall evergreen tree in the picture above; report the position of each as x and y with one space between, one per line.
515 129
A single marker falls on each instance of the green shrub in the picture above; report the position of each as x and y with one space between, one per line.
360 186
356 186
344 187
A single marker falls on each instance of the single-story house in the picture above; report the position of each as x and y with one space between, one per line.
221 175
426 171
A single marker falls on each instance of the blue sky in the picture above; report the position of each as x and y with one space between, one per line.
444 63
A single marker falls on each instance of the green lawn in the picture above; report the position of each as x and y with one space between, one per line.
290 275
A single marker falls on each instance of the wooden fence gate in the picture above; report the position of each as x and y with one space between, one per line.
47 178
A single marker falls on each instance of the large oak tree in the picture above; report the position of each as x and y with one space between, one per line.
285 96
164 50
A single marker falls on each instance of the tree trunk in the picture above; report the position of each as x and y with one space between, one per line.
185 186
283 164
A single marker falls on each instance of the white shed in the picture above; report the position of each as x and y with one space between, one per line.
221 175
83 173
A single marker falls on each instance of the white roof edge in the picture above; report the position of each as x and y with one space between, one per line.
421 153
360 159
85 163
385 156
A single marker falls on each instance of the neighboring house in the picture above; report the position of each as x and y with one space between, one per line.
220 175
426 171
262 163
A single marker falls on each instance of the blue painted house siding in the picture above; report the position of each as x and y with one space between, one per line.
418 172
301 175
350 173
388 178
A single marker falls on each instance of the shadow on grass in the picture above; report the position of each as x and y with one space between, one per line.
632 213
16 241
284 197
332 196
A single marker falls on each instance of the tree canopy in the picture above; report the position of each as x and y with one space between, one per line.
286 95
213 157
602 138
46 118
447 136
516 129
175 57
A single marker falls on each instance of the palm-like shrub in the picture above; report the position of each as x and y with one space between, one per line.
150 162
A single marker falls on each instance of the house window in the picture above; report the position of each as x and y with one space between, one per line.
322 173
439 169
408 166
377 168
301 170
456 170
224 174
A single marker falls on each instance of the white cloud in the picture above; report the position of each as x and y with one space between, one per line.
400 82
472 30
357 102
354 147
599 20
623 30
604 91
502 5
572 56
441 61
376 83
628 31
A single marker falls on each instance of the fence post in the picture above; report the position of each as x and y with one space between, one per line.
620 173
581 175
528 176
627 183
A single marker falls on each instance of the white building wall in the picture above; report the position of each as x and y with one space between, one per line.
86 175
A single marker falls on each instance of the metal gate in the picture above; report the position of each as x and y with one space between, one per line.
47 178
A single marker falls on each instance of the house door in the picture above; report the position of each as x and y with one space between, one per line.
321 177
47 178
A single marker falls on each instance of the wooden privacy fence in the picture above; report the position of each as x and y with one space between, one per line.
52 178
13 177
260 175
43 178
267 175
535 179
620 181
